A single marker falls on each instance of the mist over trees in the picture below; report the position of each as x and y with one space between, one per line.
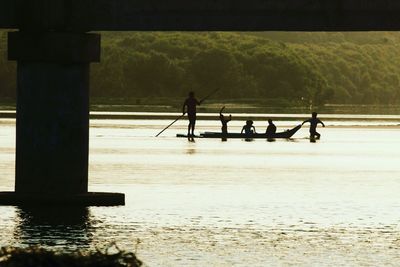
323 67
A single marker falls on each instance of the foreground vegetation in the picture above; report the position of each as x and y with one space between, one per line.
317 68
38 257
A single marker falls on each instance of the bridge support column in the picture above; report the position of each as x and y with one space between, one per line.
52 139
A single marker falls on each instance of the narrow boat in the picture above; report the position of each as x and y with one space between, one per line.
186 136
286 134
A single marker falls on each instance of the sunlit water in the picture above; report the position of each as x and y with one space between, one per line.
330 203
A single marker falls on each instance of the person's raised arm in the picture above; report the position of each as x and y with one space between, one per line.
305 122
222 109
323 125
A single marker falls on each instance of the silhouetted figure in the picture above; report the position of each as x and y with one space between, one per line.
313 125
271 129
224 121
191 103
248 129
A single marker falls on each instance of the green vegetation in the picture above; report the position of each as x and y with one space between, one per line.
7 72
296 68
39 257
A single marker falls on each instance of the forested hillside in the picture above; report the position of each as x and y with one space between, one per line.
322 67
7 70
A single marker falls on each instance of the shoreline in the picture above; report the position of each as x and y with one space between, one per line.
94 115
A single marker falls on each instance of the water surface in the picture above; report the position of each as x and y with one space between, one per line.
333 202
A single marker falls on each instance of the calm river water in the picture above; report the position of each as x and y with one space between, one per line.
235 203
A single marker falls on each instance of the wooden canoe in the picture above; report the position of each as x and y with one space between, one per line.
286 134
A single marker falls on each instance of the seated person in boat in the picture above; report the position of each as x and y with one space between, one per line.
271 129
313 125
248 128
224 121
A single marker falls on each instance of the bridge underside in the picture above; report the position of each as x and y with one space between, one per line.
195 15
54 53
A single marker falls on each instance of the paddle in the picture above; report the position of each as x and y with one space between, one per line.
204 98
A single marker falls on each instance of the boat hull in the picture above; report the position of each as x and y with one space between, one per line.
286 134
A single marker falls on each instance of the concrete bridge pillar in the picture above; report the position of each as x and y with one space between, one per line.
52 110
52 139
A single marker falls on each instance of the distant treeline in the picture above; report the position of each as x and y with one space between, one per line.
318 67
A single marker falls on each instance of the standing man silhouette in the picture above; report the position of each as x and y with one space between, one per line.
191 103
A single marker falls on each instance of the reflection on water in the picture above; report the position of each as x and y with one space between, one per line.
190 151
334 202
53 226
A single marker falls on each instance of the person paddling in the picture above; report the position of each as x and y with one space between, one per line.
188 102
224 121
191 103
313 125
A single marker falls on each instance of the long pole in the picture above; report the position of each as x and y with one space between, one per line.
170 124
210 94
204 98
